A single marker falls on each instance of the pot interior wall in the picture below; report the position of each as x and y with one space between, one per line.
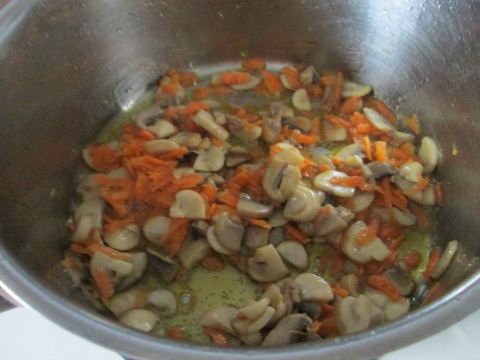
68 67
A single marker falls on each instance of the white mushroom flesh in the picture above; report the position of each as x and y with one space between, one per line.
125 238
212 160
429 154
301 101
303 205
353 89
322 182
139 319
206 121
164 301
188 204
445 260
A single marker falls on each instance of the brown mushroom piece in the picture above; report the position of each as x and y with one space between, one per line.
391 309
139 319
252 209
164 264
381 169
139 265
311 287
267 265
303 205
401 279
301 123
279 108
312 308
290 330
277 236
212 159
293 253
353 314
331 220
277 218
149 116
332 133
271 128
250 326
350 283
116 270
280 180
207 121
256 237
236 155
220 318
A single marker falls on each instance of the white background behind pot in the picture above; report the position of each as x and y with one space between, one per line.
26 335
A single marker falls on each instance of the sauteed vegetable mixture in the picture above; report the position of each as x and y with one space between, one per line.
258 207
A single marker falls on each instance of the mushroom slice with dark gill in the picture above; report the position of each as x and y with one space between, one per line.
290 330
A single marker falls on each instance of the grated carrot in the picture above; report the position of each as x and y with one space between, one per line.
176 332
258 222
381 151
349 105
368 147
367 235
235 77
104 158
218 337
433 260
273 83
103 283
381 283
293 78
296 234
176 235
193 107
413 259
254 64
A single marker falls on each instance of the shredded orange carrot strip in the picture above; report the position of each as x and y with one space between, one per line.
258 222
328 327
176 235
349 105
176 332
104 159
293 78
368 147
367 235
187 78
419 186
193 107
337 265
435 256
422 218
413 259
273 83
104 285
254 64
337 290
303 139
295 234
412 123
213 263
381 151
435 292
217 336
235 77
381 283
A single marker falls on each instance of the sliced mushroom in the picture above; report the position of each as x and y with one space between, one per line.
155 227
391 309
311 287
246 134
403 136
83 229
225 236
350 89
256 237
280 108
425 197
267 265
192 252
377 316
429 154
301 123
253 209
188 204
351 150
307 228
410 171
164 301
277 236
290 154
401 279
212 160
280 180
163 129
160 146
277 218
290 330
125 238
220 117
120 173
312 308
139 265
445 260
271 129
285 81
92 207
303 205
220 318
115 269
378 120
255 309
332 133
252 339
127 300
362 254
139 319
87 188
301 101
353 314
236 155
149 116
187 139
362 201
206 121
322 182
331 220
252 82
350 283
405 217
381 169
248 326
293 253
309 76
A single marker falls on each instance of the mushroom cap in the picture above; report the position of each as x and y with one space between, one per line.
267 265
291 329
312 287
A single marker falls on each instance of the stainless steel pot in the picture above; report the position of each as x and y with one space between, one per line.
68 66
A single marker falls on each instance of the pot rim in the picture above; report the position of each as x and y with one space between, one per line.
415 326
